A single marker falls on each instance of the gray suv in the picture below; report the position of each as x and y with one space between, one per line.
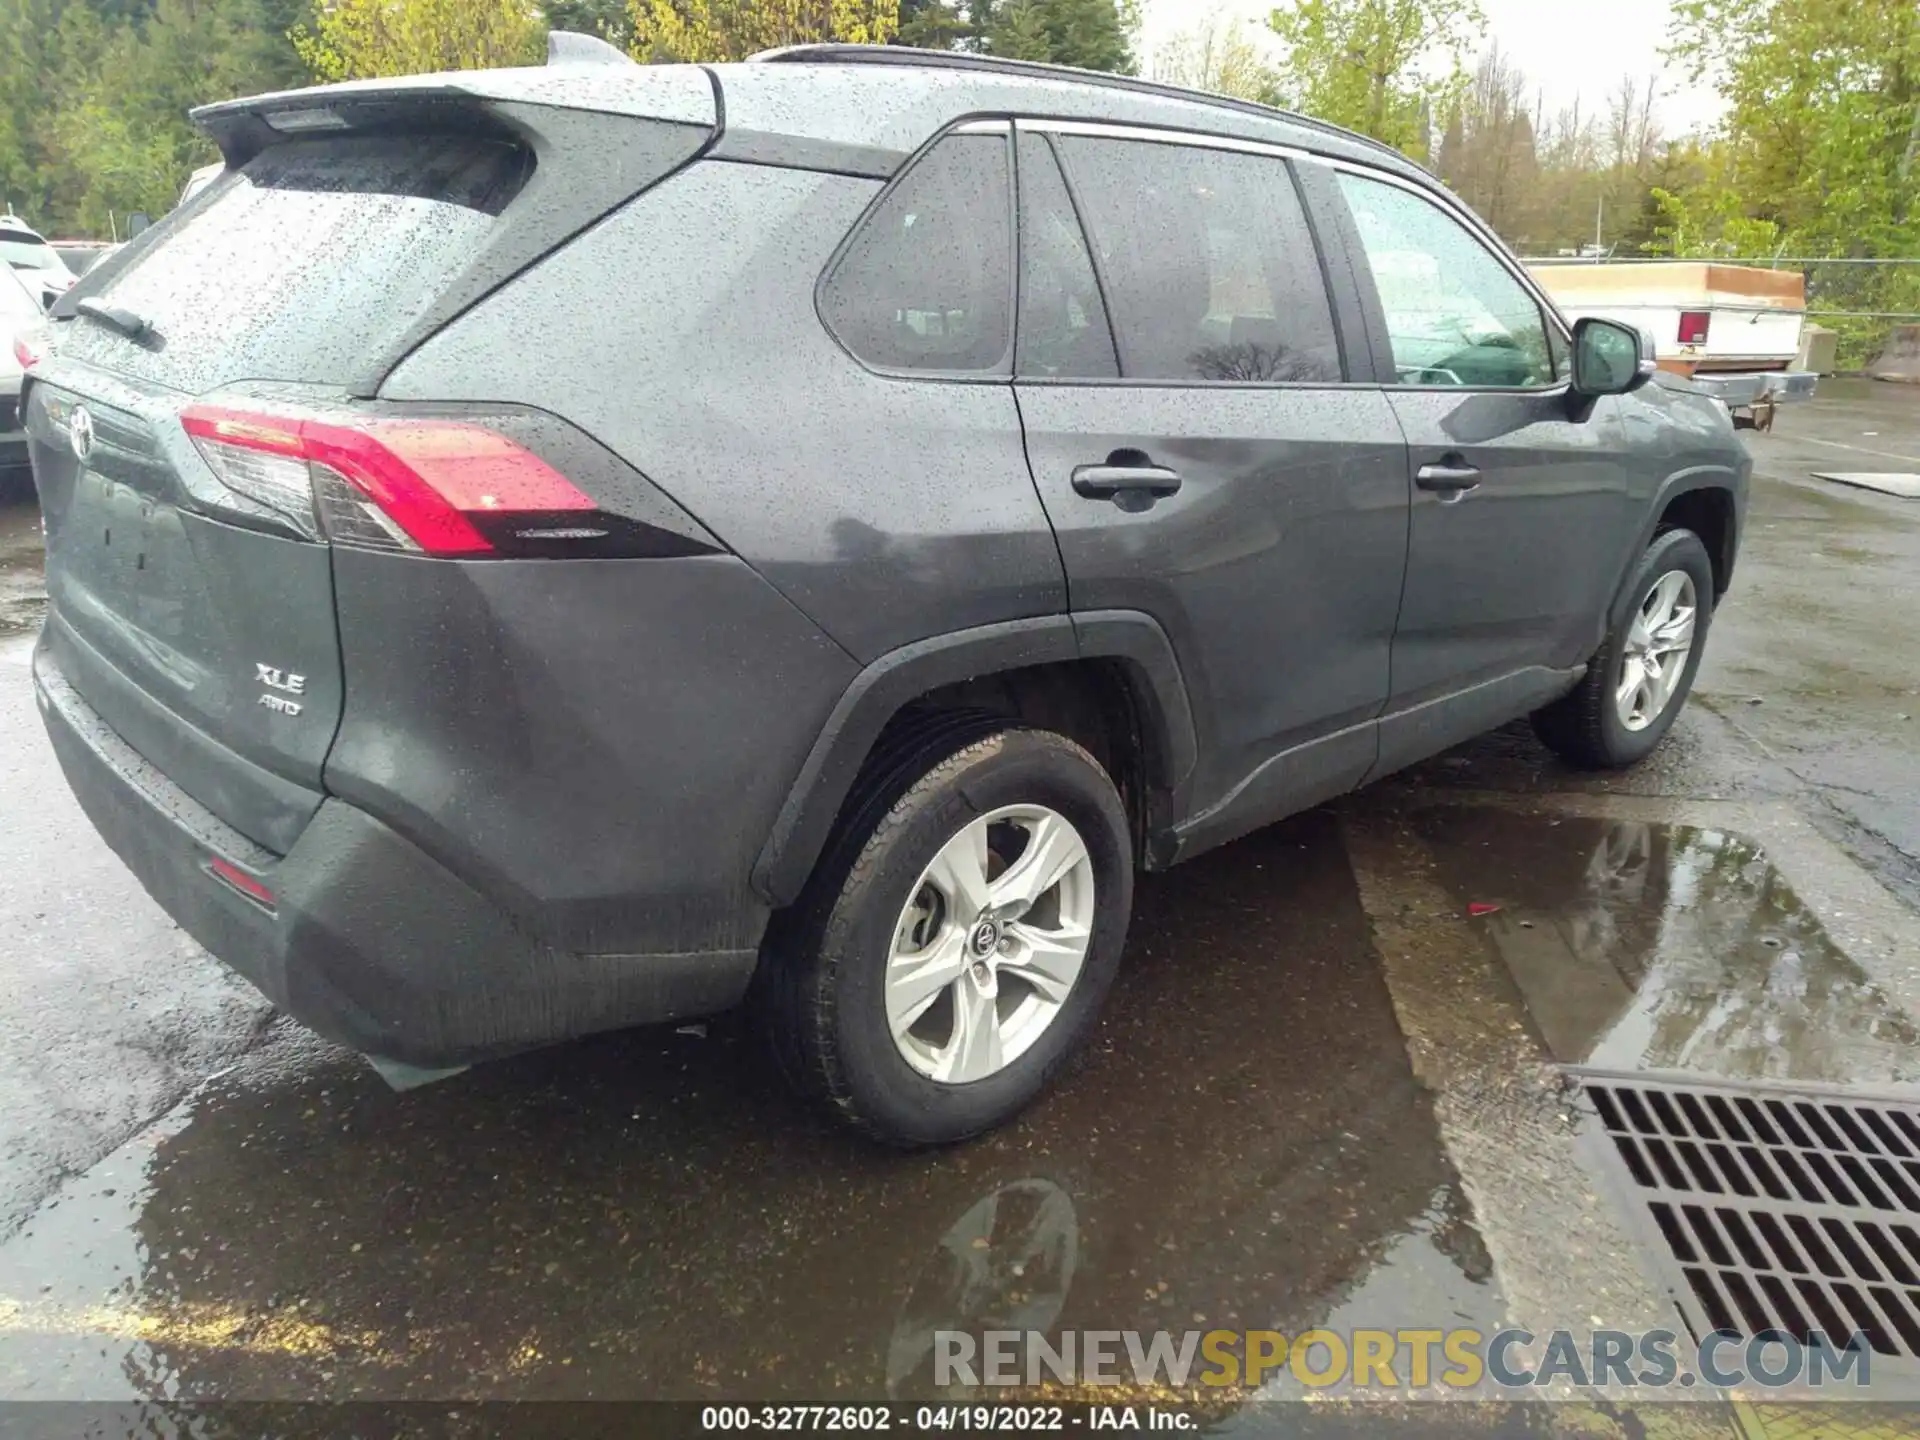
539 551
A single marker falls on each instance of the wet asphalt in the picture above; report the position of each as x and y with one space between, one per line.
1326 1091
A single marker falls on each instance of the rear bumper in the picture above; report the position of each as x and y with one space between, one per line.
371 942
1742 391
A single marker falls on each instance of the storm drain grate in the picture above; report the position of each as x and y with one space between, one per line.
1785 1210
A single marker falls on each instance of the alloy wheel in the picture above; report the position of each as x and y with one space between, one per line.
1658 644
990 944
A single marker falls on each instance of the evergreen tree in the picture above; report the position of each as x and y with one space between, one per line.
1092 34
932 25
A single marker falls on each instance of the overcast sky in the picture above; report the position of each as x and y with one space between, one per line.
1568 48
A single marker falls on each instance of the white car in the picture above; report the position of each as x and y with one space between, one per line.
33 260
21 325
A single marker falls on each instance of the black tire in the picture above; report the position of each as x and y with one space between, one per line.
820 998
1583 727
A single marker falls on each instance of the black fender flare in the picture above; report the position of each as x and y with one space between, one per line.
1698 477
895 679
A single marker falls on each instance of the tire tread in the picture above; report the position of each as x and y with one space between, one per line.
1576 727
799 1001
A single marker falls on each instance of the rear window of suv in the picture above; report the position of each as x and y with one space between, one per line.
23 250
310 259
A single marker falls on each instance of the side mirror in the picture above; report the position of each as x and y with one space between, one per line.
1610 358
136 222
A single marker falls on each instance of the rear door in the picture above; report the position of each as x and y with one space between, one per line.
1202 456
191 587
1520 498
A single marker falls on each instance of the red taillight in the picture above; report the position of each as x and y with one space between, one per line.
29 349
438 486
1693 327
248 885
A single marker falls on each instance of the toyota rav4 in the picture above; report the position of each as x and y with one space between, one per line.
539 551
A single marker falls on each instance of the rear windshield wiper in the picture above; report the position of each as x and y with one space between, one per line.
116 317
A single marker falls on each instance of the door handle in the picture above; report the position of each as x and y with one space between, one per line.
1449 481
1110 482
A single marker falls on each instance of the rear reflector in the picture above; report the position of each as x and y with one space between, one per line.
240 880
439 487
1693 326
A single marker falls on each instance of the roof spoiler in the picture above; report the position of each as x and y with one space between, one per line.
569 47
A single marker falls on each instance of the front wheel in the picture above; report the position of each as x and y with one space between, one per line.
1638 683
956 948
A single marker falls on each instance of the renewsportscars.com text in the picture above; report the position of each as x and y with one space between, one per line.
1397 1359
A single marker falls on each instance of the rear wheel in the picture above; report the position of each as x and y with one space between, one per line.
959 939
1638 683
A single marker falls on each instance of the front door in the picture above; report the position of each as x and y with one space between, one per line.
1520 498
1200 456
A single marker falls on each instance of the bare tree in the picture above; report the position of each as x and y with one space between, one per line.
1633 134
1488 152
1216 54
1632 146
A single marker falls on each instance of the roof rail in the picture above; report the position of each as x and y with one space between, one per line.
961 60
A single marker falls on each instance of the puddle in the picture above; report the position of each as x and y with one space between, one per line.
649 1216
1641 946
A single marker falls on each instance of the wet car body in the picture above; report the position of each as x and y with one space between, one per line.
452 798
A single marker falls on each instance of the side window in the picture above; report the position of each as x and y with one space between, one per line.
927 282
1455 314
1063 330
1210 269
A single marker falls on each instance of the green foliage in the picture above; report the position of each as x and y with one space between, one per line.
93 119
1823 130
1091 34
362 39
931 25
1020 32
1820 150
1707 222
712 30
1382 67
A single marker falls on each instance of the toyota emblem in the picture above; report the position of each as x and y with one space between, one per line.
80 432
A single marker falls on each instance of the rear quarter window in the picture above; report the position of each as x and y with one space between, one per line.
926 283
311 259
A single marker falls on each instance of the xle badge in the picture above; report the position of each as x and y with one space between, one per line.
277 679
